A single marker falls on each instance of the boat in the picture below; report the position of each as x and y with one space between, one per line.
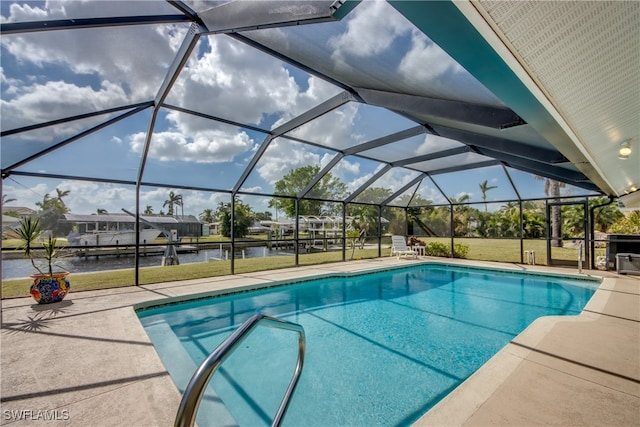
113 238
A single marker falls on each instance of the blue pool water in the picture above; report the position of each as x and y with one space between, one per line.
382 348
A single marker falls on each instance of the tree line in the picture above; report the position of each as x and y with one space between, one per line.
422 217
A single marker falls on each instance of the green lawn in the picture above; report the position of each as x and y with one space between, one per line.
504 250
479 249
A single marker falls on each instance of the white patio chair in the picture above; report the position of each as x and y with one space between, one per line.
399 247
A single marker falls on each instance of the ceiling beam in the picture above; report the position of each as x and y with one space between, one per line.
483 115
432 156
215 118
516 162
186 10
237 16
379 142
320 175
80 23
553 174
366 185
244 38
404 188
252 164
182 56
464 167
317 111
75 137
74 118
515 148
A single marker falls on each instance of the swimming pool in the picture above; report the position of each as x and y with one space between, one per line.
382 347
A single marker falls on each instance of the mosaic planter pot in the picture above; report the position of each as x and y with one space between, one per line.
48 289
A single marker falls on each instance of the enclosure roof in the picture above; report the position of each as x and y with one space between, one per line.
415 97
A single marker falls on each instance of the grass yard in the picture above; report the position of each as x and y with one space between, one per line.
506 250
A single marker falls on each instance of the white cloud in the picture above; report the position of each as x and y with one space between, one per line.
234 81
37 103
395 178
26 195
427 64
213 146
325 159
24 12
425 61
358 182
434 143
281 157
371 18
195 202
333 129
12 83
104 67
345 170
87 197
318 90
254 189
431 193
133 58
108 68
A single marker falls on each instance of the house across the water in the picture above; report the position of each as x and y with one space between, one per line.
177 225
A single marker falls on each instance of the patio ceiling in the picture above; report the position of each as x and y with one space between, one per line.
549 89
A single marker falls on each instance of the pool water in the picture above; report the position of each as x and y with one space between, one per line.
382 348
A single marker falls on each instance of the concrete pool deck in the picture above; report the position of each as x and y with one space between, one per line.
87 361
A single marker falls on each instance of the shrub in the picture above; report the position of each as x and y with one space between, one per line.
436 249
629 224
444 250
460 250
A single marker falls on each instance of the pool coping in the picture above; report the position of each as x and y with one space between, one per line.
346 274
111 374
483 397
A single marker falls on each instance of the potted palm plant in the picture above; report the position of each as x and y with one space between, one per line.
48 285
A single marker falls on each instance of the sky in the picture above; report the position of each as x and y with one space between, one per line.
52 75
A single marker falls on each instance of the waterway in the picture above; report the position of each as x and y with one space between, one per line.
15 268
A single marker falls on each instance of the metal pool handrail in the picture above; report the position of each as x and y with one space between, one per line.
195 389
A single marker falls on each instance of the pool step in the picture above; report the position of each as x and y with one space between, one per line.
182 369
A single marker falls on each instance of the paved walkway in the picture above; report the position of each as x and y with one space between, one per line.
88 362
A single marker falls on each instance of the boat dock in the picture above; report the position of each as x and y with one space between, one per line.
129 250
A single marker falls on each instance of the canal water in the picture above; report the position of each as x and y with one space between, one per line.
15 268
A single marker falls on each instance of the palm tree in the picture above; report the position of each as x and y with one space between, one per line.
101 211
461 215
60 194
510 219
6 200
606 215
180 203
552 188
148 210
44 204
207 216
484 187
174 200
50 211
573 220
